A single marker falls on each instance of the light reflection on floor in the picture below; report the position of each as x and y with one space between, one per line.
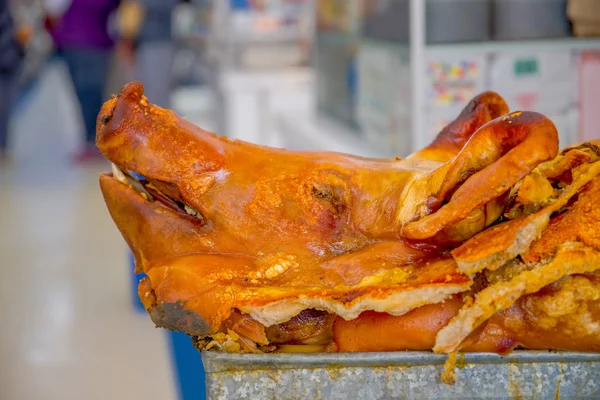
68 329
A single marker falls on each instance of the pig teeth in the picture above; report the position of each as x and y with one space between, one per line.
193 212
130 181
190 210
119 175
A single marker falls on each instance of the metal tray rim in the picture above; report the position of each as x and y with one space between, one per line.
218 361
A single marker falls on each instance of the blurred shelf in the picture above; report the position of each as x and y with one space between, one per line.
540 45
277 36
558 44
240 80
336 38
312 132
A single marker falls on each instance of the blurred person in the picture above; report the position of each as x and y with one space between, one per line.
146 27
13 37
81 37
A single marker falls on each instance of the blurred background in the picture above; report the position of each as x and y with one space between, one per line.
370 77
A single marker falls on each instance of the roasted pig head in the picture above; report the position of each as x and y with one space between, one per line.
224 228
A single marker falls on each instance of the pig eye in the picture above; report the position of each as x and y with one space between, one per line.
334 195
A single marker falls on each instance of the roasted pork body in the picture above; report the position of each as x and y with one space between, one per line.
486 240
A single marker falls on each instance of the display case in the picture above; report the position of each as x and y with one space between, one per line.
378 61
335 57
257 53
267 34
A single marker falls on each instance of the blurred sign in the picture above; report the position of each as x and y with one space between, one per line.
454 80
589 70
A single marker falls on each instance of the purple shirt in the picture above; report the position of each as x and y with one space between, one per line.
85 25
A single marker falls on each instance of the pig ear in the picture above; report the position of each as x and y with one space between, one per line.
497 156
449 142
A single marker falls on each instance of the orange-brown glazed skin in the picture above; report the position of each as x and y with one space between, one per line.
416 330
282 225
253 198
581 222
491 240
558 317
212 285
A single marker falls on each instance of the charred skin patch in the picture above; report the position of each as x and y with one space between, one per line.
175 317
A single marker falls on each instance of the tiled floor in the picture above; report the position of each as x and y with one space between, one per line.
68 330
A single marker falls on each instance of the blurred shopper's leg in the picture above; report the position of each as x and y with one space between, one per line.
89 72
8 90
155 68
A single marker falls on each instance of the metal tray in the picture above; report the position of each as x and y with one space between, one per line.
402 375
